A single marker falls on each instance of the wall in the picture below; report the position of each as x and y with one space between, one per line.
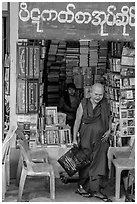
4 6
13 116
14 39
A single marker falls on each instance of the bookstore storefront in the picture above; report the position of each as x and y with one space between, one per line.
78 42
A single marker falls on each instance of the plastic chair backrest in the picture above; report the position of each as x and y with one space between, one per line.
6 151
132 153
21 136
27 162
7 142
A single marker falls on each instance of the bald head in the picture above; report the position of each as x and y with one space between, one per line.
97 86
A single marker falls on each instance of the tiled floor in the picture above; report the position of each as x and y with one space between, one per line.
37 190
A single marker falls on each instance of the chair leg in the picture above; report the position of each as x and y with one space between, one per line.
111 174
117 185
19 169
21 184
110 169
125 180
52 185
8 172
3 182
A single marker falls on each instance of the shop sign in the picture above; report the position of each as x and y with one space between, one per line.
77 20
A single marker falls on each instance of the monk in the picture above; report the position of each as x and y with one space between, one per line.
93 125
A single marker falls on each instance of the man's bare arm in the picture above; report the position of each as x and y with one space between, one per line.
77 122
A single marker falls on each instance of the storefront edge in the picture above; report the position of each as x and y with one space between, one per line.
13 116
15 30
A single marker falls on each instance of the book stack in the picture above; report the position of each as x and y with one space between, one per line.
84 53
22 60
64 135
127 99
53 70
112 88
78 77
121 93
22 105
60 58
28 124
28 63
72 59
116 49
33 61
87 76
53 47
41 84
93 53
87 90
115 64
52 127
43 49
85 62
32 89
51 136
102 60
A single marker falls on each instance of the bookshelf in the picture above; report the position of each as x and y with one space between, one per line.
120 90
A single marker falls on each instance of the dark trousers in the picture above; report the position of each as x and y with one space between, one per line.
89 184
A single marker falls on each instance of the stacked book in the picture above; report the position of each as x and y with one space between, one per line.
62 74
87 76
61 51
44 48
116 49
102 60
53 71
41 75
33 61
72 59
78 77
60 58
121 93
115 64
28 124
53 47
84 53
93 53
127 99
84 63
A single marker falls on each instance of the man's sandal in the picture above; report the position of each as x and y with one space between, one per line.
102 197
81 192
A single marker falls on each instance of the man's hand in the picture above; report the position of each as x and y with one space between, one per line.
74 142
105 136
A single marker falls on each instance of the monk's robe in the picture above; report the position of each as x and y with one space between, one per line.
95 122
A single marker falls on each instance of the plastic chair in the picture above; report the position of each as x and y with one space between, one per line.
6 146
30 168
5 170
121 164
36 155
130 191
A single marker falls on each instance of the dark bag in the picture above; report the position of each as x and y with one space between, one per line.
73 160
130 192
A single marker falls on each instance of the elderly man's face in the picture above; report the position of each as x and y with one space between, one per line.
97 94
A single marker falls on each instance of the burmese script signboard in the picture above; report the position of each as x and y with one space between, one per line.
77 20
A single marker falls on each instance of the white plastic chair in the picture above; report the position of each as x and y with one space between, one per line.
6 146
30 168
37 155
120 164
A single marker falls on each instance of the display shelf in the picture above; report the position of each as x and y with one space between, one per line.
120 91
